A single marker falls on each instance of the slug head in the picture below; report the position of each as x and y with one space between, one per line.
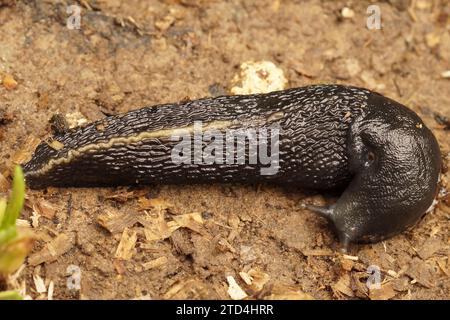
395 162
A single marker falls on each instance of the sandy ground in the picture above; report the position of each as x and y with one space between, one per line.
135 53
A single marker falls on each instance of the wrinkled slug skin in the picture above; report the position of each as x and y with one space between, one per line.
330 136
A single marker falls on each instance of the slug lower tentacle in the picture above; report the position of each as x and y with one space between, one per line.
318 137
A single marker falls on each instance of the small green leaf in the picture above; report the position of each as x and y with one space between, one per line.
10 295
16 200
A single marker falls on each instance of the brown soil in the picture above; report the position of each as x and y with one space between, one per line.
135 53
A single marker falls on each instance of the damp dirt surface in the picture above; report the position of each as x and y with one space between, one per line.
182 242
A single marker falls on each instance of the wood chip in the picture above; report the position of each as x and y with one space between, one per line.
35 219
156 263
386 292
342 286
359 284
317 252
233 222
193 221
116 222
246 277
51 289
189 289
126 246
442 265
393 274
353 258
185 219
284 292
157 203
255 278
55 144
122 195
347 264
224 245
234 290
23 223
45 208
58 246
157 228
39 284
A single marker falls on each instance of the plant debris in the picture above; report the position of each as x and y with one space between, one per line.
126 247
55 248
285 292
386 292
234 290
116 222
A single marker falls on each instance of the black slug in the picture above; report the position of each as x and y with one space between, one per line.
318 137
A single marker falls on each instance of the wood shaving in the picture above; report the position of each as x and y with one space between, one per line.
193 221
125 249
35 219
44 208
246 277
442 265
158 229
284 292
255 278
353 258
51 289
55 144
156 263
317 252
224 245
39 284
58 246
157 203
347 264
23 223
116 222
234 290
192 288
393 274
342 286
386 292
